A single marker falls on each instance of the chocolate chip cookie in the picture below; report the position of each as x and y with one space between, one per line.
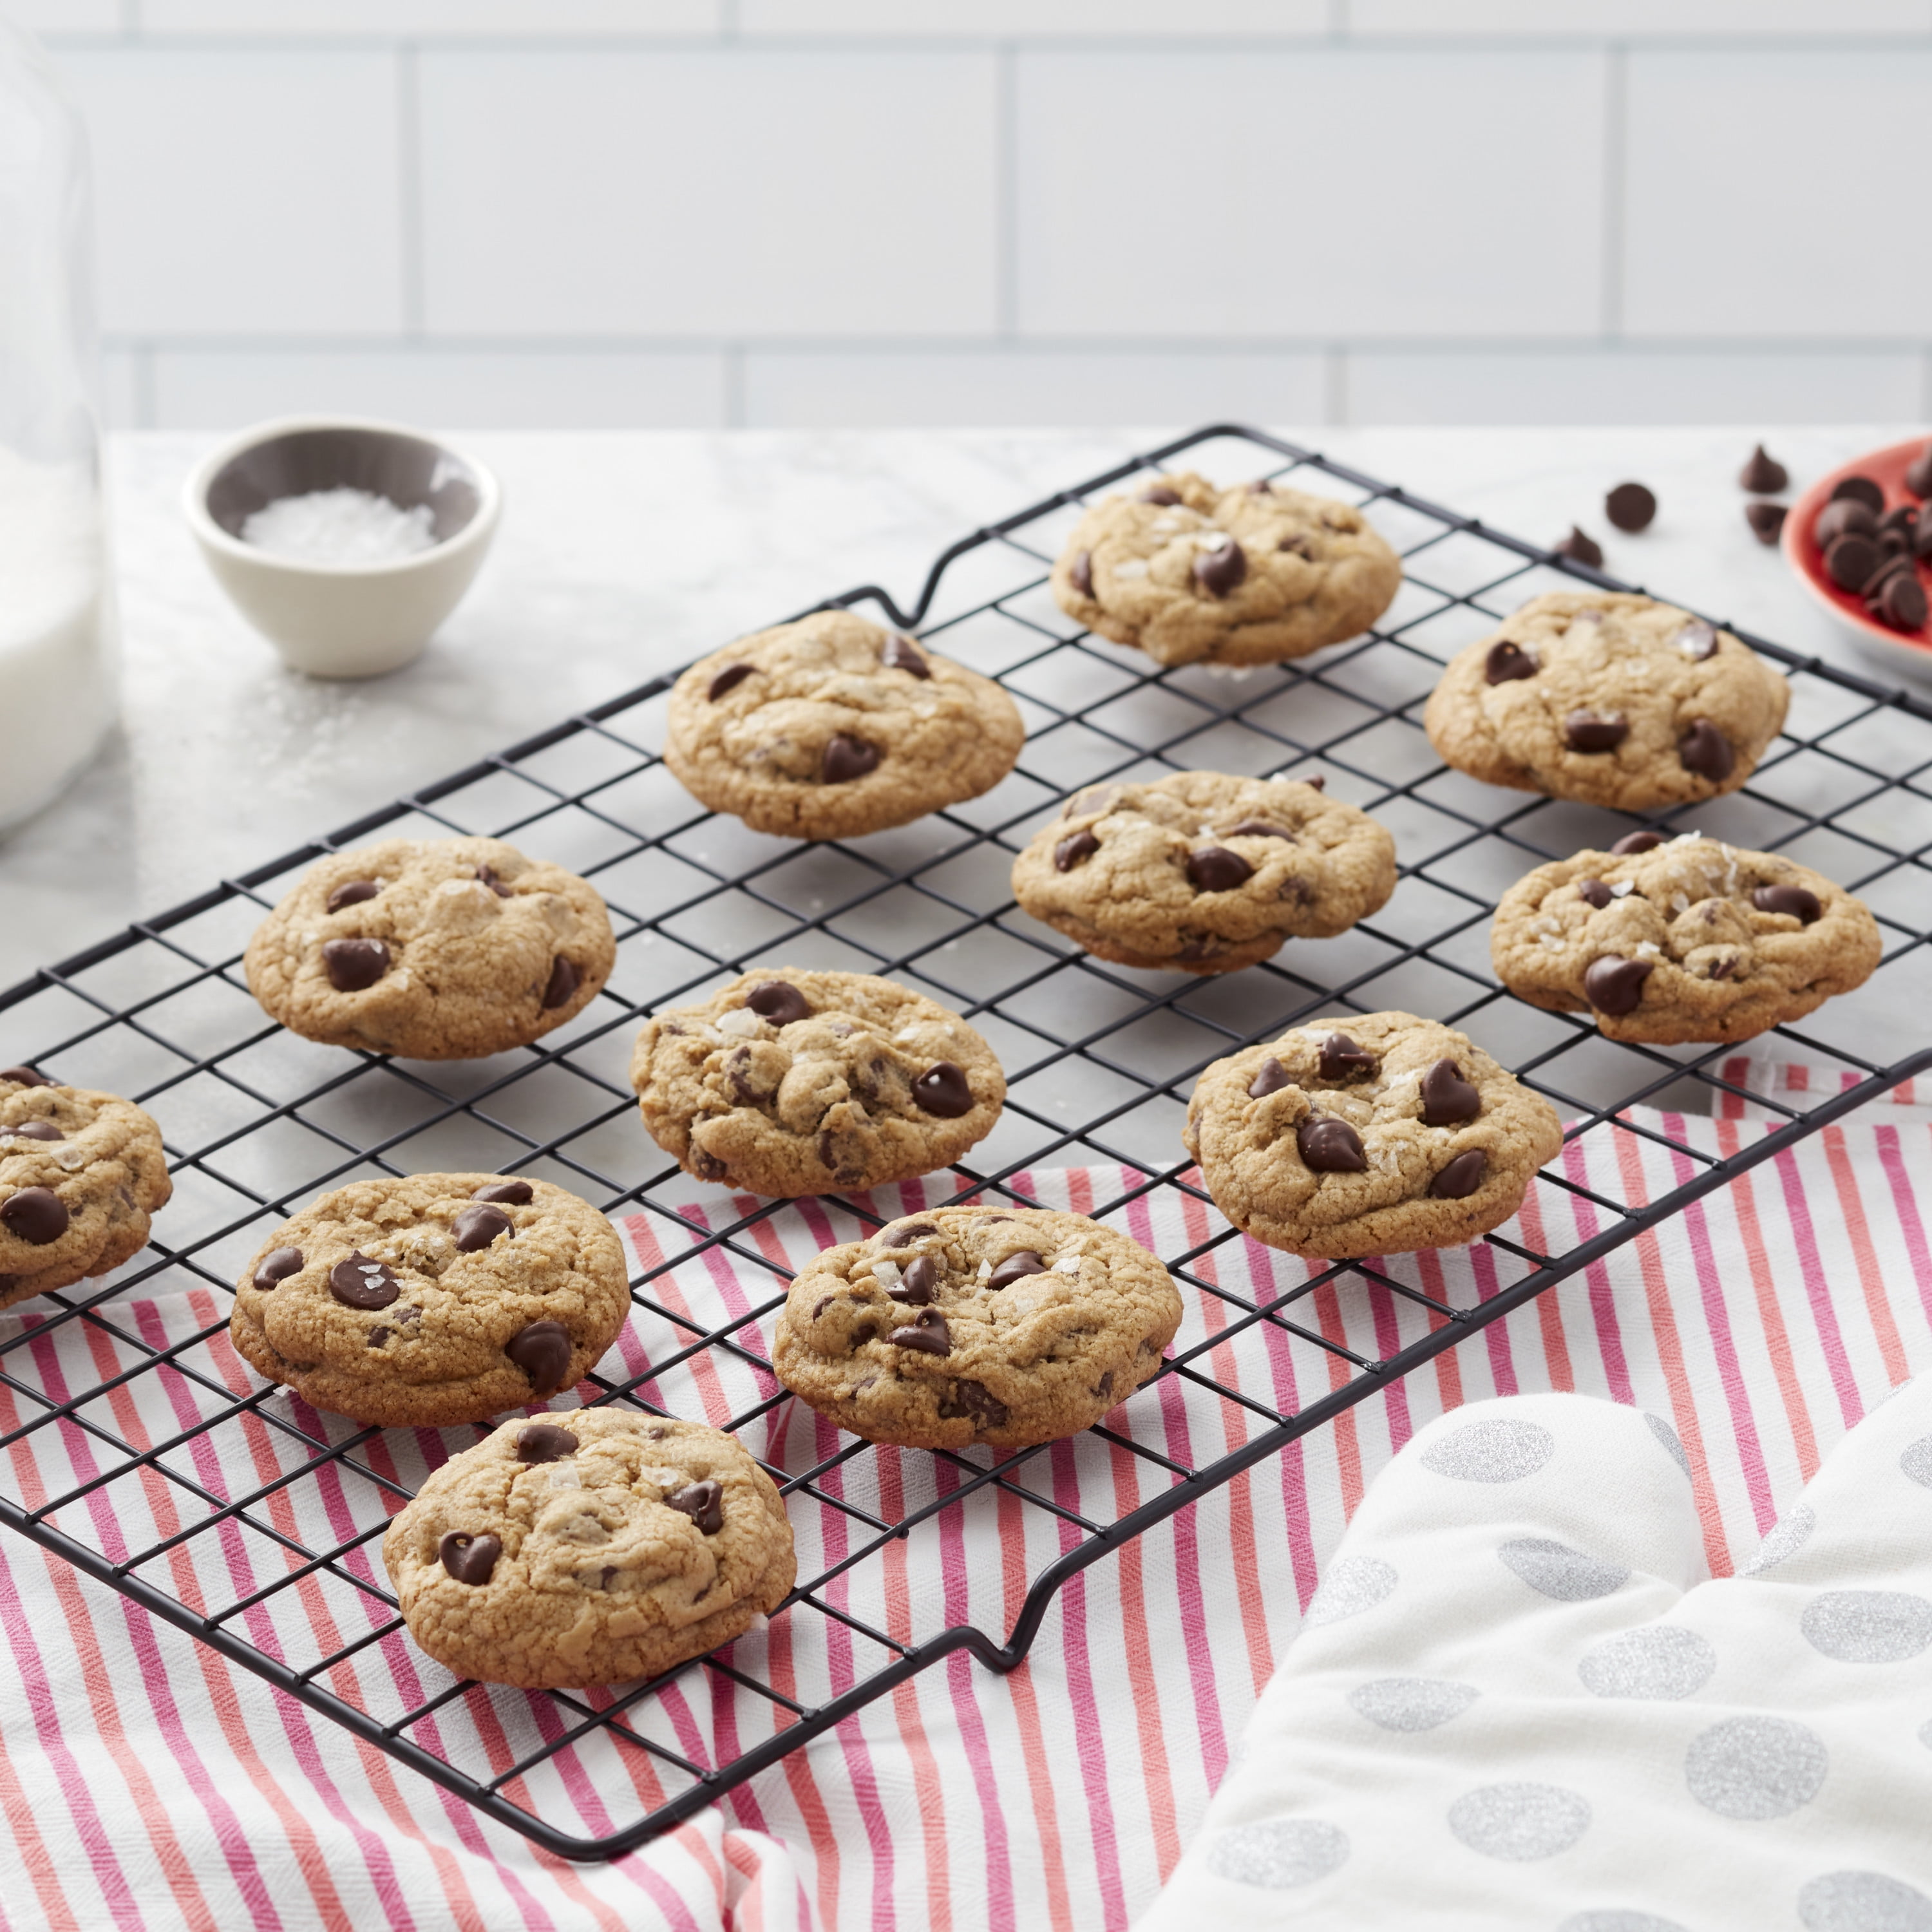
1201 872
80 1173
1683 939
434 1300
1004 1326
1374 1134
831 727
595 1547
1194 575
789 1082
1611 699
440 948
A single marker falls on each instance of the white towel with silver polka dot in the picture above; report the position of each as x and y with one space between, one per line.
1520 1699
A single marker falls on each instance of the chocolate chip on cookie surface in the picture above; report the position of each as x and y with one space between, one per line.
1203 872
833 727
80 1174
788 1081
1004 1326
444 949
1191 573
1611 699
433 1300
1371 1133
596 1547
1686 940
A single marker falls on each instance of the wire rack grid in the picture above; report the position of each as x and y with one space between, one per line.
142 1451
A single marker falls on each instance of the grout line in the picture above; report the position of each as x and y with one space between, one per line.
1616 147
410 226
1005 190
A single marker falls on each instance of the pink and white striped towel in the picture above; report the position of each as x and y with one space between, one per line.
144 1782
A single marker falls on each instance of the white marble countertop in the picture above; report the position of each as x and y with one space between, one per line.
623 554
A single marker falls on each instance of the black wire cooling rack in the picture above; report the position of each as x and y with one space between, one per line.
140 1450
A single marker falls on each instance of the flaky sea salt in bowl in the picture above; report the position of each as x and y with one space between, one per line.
344 543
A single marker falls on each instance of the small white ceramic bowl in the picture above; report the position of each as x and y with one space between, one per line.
343 619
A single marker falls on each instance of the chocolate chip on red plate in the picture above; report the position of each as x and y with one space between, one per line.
1270 1077
1645 841
352 893
1016 1267
277 1264
1329 1146
1903 518
1892 547
916 1283
511 1193
1447 1097
1846 517
37 1214
1861 490
26 1076
1071 850
1506 661
1581 548
1586 731
1630 506
1593 892
468 1558
1766 521
33 1130
357 1282
702 1501
476 1226
1081 571
901 653
1161 494
1460 1177
544 1442
1796 901
729 679
928 1333
1763 475
1214 868
1258 828
1705 750
779 1001
542 1352
943 1089
846 757
564 981
1901 601
353 964
1614 984
1339 1057
1219 570
1851 562
487 875
1918 472
1697 641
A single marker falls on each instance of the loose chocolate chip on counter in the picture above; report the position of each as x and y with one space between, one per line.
1646 841
357 1282
916 1284
846 757
564 981
1258 828
24 1076
1071 850
486 875
1861 490
779 1001
928 1333
702 1501
1763 475
476 1227
1340 1058
1614 986
1329 1146
1766 521
1918 472
729 679
33 1130
1697 641
1851 562
1580 548
1705 750
1214 868
542 1352
1631 506
943 1089
277 1264
1795 900
903 1233
544 1442
1082 572
901 653
511 1193
1016 1267
1447 1097
1218 571
1160 494
468 1559
1507 661
1586 731
1900 602
354 963
1593 892
36 1214
1845 517
1461 1177
1271 1078
352 893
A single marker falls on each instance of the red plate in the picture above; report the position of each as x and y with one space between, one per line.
1886 468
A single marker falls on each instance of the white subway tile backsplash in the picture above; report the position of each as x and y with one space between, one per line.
1739 219
1324 192
456 19
238 191
832 388
743 193
1034 19
1832 19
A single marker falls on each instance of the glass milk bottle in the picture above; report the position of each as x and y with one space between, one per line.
58 643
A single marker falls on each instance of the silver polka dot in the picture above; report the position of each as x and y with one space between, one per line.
1673 1446
1618 1922
1504 1450
1559 1571
1863 1901
1657 1661
1412 1703
1916 1461
1353 1585
1785 1538
1867 1626
1520 1822
1278 1853
1755 1767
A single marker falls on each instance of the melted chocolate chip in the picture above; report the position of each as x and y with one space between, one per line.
1071 850
1850 561
37 1215
928 1333
24 1076
1763 475
1766 521
943 1089
1261 487
903 1233
468 1559
779 1001
353 964
1901 603
729 679
511 1193
1697 641
1586 731
352 893
707 1166
901 653
1258 828
1160 494
277 1264
1860 489
1016 1267
1615 985
1794 901
704 1502
357 1282
846 757
1595 893
1271 1078
1297 545
1461 1177
33 1130
1447 1097
542 1352
1846 518
476 1227
1630 506
1080 572
974 1402
1220 570
1721 969
486 875
1705 750
544 1442
1506 662
1214 868
1097 800
1341 1059
564 981
1581 549
1329 1146
1646 841
916 1284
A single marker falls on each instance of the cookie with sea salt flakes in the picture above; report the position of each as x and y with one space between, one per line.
1191 573
1609 698
832 727
1681 939
80 1173
433 1300
438 948
1004 1326
788 1082
1376 1133
597 1547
